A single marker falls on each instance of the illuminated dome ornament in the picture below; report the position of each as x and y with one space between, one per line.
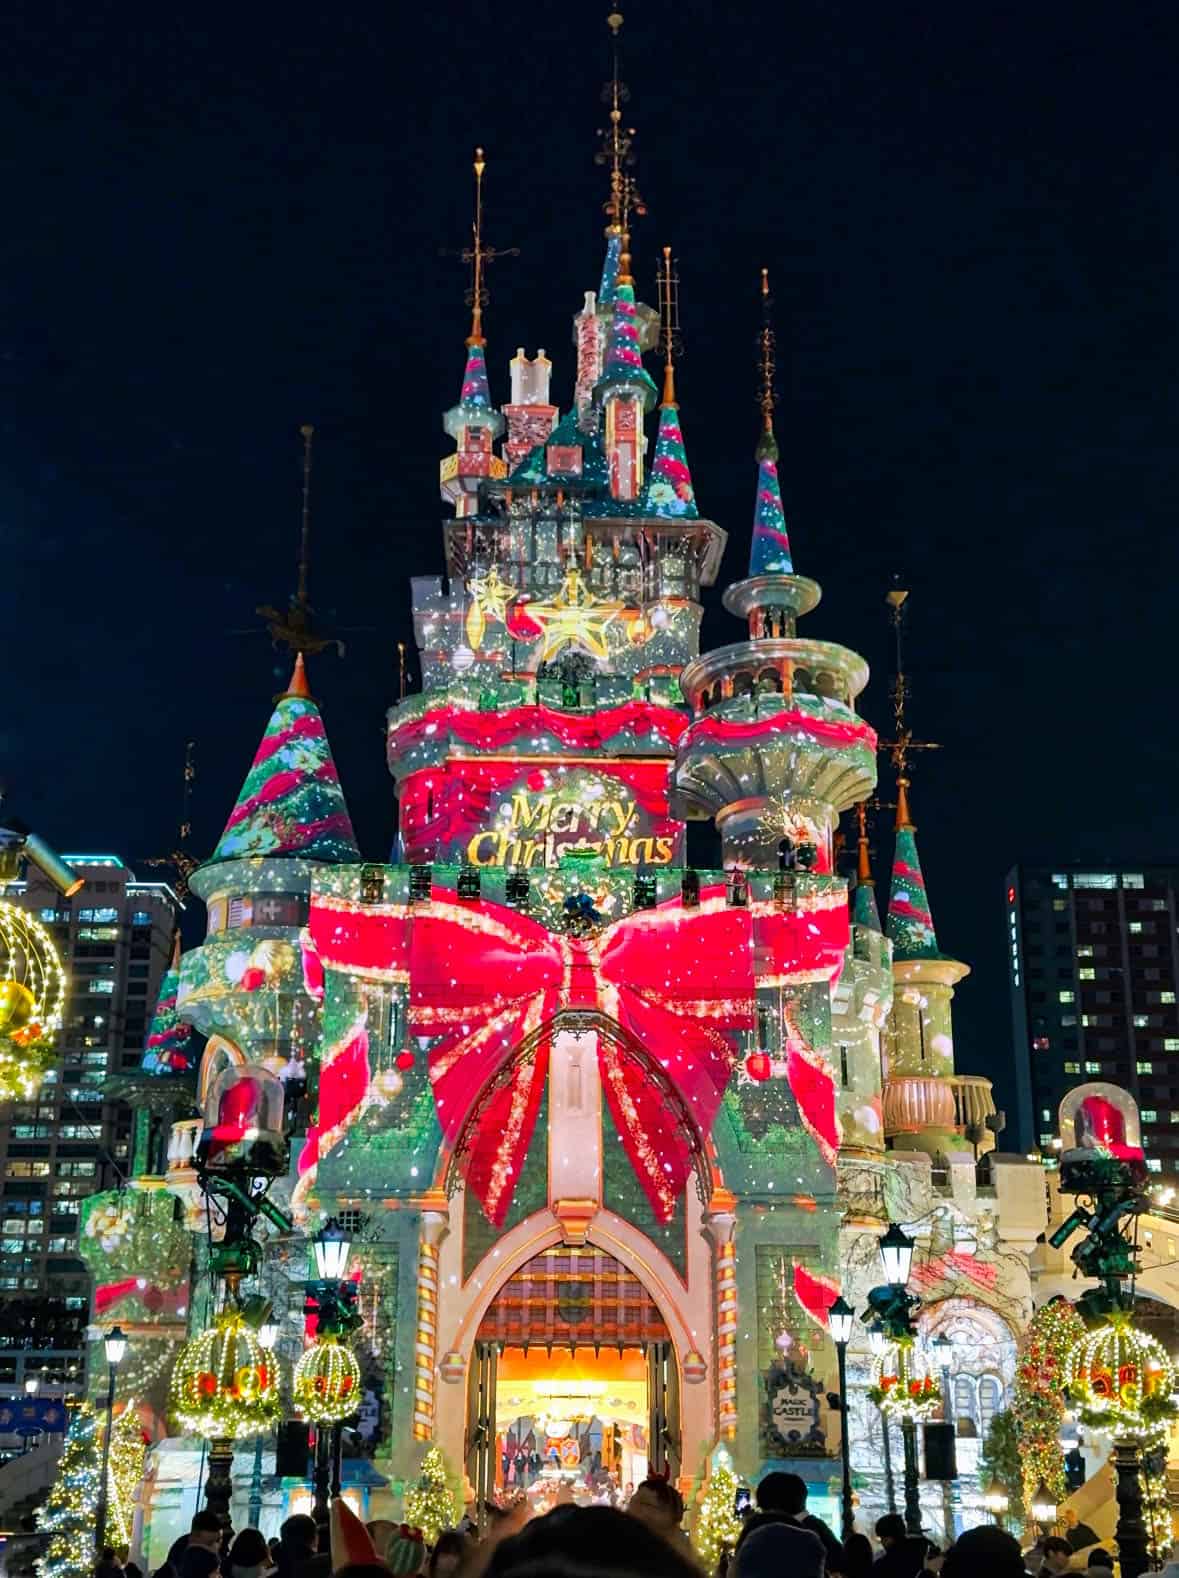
1121 1379
901 1390
225 1383
327 1382
32 991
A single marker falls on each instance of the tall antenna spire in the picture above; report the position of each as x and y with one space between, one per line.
902 743
617 151
308 434
181 859
766 349
293 629
669 324
479 255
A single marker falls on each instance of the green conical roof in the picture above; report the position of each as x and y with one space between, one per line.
910 921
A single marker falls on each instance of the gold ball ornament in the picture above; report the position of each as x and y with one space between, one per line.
1122 1379
16 1006
225 1383
327 1382
32 994
389 1083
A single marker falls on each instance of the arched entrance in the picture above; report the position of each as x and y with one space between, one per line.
573 1387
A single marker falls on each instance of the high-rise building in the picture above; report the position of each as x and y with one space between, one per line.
1094 959
115 938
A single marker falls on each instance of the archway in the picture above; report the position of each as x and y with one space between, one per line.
573 1386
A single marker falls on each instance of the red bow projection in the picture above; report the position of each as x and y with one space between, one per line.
483 979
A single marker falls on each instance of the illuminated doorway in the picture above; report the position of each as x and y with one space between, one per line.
573 1387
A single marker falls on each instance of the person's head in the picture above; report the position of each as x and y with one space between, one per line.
984 1552
776 1547
658 1504
782 1493
205 1530
405 1553
249 1549
300 1532
199 1562
857 1556
1101 1558
891 1530
1058 1553
589 1542
449 1550
1069 1517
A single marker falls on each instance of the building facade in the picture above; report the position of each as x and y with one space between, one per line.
1094 961
115 937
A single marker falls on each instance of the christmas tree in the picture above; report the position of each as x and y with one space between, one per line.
431 1505
717 1525
1038 1403
68 1515
128 1450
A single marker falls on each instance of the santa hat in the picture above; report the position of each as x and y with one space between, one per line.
407 1552
351 1542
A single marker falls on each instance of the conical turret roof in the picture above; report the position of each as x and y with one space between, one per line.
910 921
669 490
624 358
610 270
864 909
291 802
169 1048
769 552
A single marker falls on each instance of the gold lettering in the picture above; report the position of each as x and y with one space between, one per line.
473 850
642 851
564 817
527 814
664 848
623 812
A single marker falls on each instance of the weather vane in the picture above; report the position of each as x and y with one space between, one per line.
293 629
617 150
903 742
766 347
478 255
670 342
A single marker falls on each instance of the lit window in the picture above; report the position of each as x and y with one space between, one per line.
1059 881
1166 997
1171 1043
1087 975
1095 879
1085 951
1145 1068
105 987
1045 1115
1158 904
1174 1116
1153 1165
1060 904
1068 1019
1132 879
1066 997
1092 1068
1073 1068
101 915
141 918
1045 1141
1141 1020
48 915
1135 926
1149 1115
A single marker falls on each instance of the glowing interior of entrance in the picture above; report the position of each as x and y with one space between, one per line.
571 1419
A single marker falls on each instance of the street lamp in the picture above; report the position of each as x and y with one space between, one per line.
896 1254
332 1247
336 1304
942 1350
840 1319
268 1333
32 1385
996 1500
115 1344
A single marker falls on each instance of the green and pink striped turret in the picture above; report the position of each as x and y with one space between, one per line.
476 393
608 284
624 360
291 802
910 921
770 551
169 1048
669 487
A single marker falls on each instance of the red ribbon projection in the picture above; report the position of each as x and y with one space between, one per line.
483 979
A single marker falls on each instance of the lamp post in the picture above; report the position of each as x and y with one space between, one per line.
840 1318
893 1307
331 1247
996 1500
1043 1508
115 1344
267 1336
879 1345
942 1349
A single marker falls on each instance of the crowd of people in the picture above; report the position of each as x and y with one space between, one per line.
778 1538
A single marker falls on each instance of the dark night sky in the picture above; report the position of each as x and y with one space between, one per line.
224 222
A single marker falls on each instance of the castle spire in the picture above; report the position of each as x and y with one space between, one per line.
864 910
669 487
769 552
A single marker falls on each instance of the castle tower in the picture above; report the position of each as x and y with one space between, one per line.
859 1008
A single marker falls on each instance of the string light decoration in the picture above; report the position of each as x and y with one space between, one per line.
225 1383
327 1382
432 1505
32 992
128 1451
1038 1400
1122 1380
717 1525
69 1512
901 1389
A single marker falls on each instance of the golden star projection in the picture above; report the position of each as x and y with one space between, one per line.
575 617
489 596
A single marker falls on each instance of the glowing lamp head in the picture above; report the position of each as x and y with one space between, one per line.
877 1341
841 1318
268 1333
896 1255
995 1499
115 1343
32 1385
332 1247
1043 1505
942 1350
